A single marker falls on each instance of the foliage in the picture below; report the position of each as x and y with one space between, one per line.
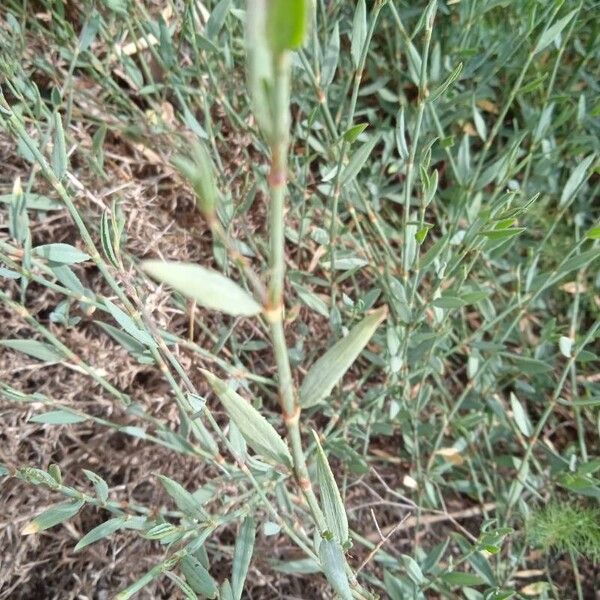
424 295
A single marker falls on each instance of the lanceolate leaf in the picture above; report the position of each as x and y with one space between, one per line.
61 253
209 288
257 431
198 578
576 178
53 516
59 159
57 417
330 368
553 31
333 507
359 32
36 349
128 325
332 563
358 160
184 500
242 554
101 531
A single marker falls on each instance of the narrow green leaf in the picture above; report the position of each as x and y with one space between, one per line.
448 301
565 345
184 500
144 580
434 556
576 178
352 133
503 234
225 593
89 31
101 531
53 516
217 19
331 58
400 135
593 233
242 554
65 275
312 300
553 31
286 25
331 367
126 322
188 592
333 507
358 160
412 569
61 253
209 288
59 159
257 431
34 201
270 528
579 261
57 417
99 484
520 416
332 563
160 531
441 89
359 32
457 578
124 339
35 349
198 578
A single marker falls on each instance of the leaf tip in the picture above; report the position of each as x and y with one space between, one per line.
31 528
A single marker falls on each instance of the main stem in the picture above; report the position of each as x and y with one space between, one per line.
275 310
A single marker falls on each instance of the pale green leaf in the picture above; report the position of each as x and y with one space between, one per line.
101 531
359 32
57 417
188 592
331 58
99 484
331 500
209 288
332 563
197 577
412 569
59 159
226 592
565 345
576 178
61 253
127 323
327 371
34 201
35 349
553 32
217 19
358 160
184 500
53 516
520 416
242 554
257 431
